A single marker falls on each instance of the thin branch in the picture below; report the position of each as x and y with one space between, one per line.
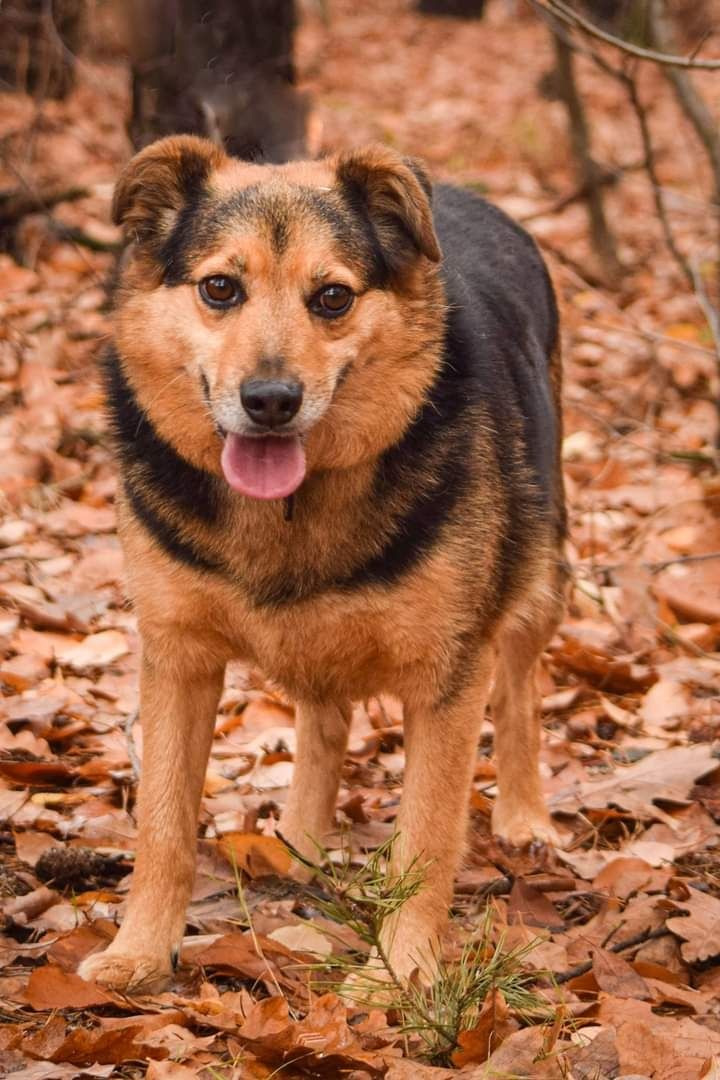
690 101
688 98
15 205
132 753
708 308
655 567
641 114
629 943
74 235
577 21
608 177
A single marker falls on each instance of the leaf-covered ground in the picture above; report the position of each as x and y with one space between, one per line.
627 915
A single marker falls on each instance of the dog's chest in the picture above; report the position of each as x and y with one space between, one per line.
349 645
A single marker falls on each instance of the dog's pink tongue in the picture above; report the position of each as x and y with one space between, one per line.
264 467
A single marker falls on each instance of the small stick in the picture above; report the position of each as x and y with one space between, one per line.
629 943
130 740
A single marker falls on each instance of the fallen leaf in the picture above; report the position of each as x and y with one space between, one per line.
95 651
623 876
666 775
494 1025
256 854
52 988
302 938
529 905
615 976
700 929
323 1039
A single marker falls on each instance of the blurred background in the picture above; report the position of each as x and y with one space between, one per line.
595 124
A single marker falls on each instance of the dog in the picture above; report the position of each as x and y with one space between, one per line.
335 395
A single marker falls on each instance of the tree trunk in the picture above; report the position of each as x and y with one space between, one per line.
217 68
462 9
39 40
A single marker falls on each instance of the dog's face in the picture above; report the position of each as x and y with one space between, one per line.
277 311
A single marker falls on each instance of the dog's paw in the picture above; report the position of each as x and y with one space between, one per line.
522 828
377 987
143 974
371 985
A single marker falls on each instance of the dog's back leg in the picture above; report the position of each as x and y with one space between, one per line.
322 736
520 815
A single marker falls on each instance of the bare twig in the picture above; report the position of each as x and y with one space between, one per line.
697 112
607 177
15 205
130 721
641 114
572 18
589 172
85 239
687 95
709 310
629 943
656 567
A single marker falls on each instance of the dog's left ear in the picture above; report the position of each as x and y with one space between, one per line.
395 193
156 184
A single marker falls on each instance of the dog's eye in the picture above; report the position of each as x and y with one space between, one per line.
219 291
331 301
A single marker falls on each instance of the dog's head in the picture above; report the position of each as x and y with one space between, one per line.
273 313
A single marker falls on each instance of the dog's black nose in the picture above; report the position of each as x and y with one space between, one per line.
271 402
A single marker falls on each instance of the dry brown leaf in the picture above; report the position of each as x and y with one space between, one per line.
524 1053
57 1041
324 1039
527 904
615 976
610 673
29 846
302 938
235 953
700 929
665 704
666 1047
94 651
22 909
36 773
623 876
256 854
493 1026
691 590
170 1070
667 775
69 950
52 988
414 1070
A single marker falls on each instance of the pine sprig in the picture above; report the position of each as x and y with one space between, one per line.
363 900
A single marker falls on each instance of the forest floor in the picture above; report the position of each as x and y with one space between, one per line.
626 916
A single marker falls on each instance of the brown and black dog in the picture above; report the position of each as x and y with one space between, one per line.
335 393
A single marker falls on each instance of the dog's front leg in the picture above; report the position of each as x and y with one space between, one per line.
178 704
440 747
322 736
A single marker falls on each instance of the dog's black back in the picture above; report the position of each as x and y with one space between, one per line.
502 323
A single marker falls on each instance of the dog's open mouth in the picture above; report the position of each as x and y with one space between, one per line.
265 466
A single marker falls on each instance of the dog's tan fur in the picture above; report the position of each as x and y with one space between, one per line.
330 647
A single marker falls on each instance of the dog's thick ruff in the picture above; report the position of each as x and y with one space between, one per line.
423 553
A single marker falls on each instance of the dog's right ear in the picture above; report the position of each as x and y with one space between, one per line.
156 184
